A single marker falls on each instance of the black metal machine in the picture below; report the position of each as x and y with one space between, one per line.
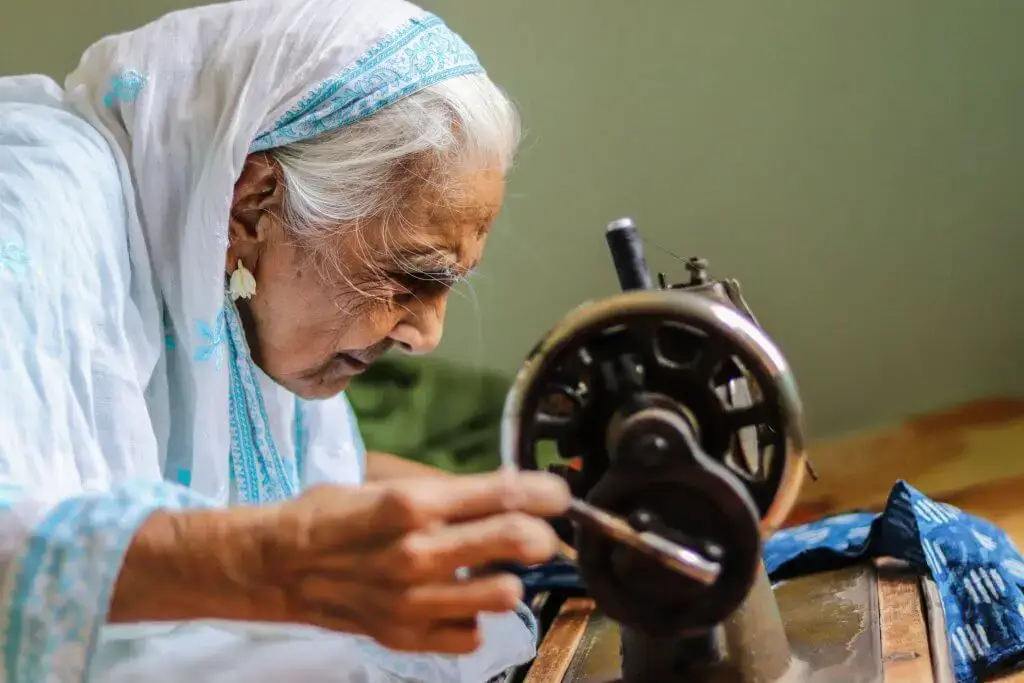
683 418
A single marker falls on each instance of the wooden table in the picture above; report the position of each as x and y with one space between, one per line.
971 456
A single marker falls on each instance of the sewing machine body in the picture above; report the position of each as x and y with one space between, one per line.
677 408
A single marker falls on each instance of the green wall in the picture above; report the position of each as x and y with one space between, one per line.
857 164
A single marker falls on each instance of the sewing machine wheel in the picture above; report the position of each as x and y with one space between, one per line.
679 351
706 510
640 390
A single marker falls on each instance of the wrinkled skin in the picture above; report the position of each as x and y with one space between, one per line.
313 328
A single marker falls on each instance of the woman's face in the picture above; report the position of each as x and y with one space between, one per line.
314 322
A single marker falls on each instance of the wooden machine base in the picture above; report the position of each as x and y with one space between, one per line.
868 624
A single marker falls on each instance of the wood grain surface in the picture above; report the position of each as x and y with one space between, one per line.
961 454
555 653
906 653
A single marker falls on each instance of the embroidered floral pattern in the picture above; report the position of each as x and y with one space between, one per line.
422 52
13 260
125 86
260 474
212 348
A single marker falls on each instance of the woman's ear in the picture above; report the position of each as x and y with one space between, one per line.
258 191
257 200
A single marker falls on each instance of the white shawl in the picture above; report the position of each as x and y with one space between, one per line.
125 381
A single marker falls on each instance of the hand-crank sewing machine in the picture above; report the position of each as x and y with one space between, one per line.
684 421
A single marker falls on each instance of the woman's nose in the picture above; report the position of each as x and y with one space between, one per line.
420 333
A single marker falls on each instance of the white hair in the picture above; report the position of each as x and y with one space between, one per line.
367 170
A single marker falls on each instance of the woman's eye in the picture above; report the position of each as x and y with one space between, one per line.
411 286
402 290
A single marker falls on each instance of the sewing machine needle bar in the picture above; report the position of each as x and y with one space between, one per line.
672 555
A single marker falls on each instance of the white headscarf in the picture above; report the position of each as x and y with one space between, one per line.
183 101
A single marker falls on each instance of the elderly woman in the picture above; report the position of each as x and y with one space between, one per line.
220 220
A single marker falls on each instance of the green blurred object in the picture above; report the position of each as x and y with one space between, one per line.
430 411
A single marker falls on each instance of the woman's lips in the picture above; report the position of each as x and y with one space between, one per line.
352 364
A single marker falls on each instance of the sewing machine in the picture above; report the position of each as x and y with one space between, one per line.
669 407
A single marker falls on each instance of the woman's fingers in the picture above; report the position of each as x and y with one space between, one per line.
416 607
382 560
373 515
534 493
407 505
432 618
494 594
434 555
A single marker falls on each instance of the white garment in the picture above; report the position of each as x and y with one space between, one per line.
125 382
226 654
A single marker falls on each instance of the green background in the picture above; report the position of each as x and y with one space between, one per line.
856 164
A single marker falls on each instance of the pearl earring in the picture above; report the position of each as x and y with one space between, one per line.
242 284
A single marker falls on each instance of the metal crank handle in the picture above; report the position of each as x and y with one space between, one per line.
685 561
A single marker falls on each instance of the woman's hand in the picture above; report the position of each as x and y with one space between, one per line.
382 560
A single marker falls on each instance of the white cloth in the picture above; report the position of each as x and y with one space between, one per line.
125 381
226 654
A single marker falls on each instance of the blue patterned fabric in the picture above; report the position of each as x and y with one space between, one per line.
260 474
422 52
299 438
978 570
63 579
553 576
